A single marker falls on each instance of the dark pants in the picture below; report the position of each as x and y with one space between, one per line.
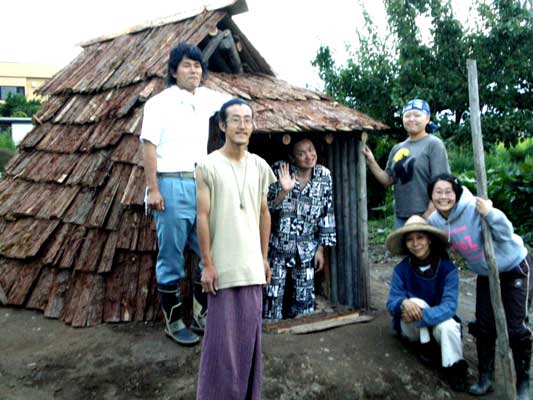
515 288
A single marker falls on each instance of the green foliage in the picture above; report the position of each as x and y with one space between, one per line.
509 179
17 106
379 229
6 141
5 156
386 72
7 149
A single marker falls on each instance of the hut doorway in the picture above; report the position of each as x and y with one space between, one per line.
344 280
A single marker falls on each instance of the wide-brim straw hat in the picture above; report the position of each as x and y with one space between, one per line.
413 224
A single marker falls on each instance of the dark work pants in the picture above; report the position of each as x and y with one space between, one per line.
515 288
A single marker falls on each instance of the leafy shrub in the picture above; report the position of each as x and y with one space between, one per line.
5 156
379 229
18 106
6 141
7 149
510 184
509 175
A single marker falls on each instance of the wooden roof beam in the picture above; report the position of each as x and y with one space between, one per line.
214 42
227 45
219 63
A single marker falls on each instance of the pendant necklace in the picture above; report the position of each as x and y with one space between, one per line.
241 190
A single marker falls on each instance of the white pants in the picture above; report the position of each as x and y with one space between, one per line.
447 334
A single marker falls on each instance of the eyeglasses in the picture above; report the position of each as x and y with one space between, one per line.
236 121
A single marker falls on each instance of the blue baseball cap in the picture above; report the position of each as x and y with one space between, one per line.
417 104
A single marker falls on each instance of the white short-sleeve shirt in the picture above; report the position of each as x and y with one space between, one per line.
177 123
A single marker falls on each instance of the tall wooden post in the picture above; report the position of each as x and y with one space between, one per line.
362 226
503 349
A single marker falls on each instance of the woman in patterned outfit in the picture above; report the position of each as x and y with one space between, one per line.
303 223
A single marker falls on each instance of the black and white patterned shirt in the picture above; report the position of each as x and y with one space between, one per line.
305 219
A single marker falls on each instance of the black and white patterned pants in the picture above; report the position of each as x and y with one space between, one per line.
291 291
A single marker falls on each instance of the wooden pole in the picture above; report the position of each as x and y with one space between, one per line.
346 262
353 219
334 265
503 349
362 225
228 45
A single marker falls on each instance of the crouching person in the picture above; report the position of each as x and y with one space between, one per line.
423 295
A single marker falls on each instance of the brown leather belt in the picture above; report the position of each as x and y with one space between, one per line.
183 174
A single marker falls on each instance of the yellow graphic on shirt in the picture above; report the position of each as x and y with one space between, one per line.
401 154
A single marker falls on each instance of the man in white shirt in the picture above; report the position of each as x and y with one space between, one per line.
174 138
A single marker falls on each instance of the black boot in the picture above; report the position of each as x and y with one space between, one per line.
522 359
456 376
199 309
485 356
170 299
429 354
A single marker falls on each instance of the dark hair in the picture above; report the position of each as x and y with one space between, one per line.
295 139
456 185
177 54
436 247
222 113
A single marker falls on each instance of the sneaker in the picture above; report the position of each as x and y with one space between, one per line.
181 334
199 316
198 323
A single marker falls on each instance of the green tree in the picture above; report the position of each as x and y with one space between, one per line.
18 106
7 149
384 73
6 141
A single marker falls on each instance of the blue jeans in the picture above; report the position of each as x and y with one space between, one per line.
399 221
175 227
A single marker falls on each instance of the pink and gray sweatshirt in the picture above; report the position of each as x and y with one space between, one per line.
465 235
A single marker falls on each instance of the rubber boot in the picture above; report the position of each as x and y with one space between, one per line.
199 309
170 299
456 376
522 359
485 356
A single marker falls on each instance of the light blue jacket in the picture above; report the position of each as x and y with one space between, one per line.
465 235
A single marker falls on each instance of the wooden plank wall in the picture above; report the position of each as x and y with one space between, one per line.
349 265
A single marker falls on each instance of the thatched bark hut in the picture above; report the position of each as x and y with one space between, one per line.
74 240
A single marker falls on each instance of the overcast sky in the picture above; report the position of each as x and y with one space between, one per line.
287 33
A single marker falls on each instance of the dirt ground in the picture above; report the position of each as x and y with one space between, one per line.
45 359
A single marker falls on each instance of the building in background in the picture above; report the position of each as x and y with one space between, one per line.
19 127
24 79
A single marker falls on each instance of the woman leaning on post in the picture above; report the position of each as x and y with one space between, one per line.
423 296
412 163
459 213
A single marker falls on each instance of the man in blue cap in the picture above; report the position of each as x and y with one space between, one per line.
412 164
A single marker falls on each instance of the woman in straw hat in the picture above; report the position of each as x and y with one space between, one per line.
423 295
460 214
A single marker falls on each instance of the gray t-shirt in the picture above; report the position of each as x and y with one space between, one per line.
412 165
